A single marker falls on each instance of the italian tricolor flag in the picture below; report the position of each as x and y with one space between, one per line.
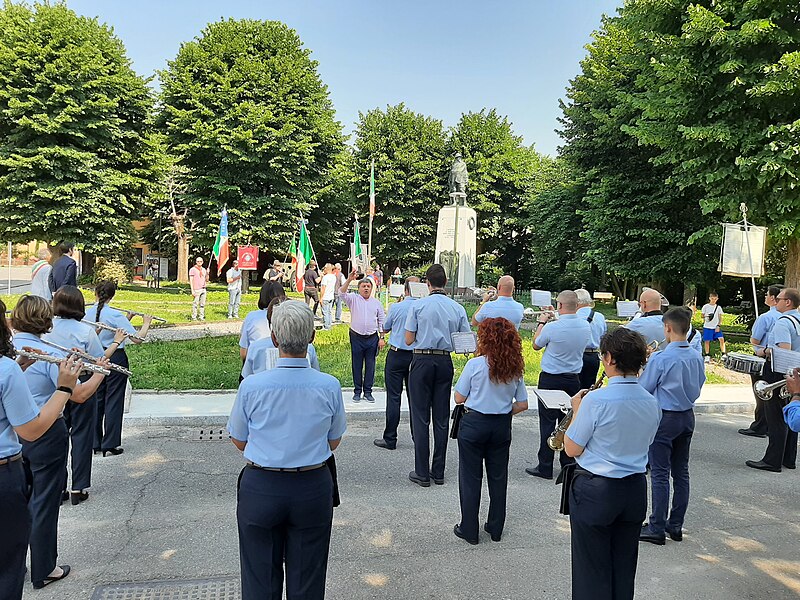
301 255
221 250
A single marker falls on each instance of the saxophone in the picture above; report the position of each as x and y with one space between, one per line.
556 439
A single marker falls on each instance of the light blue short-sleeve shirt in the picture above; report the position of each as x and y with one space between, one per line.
763 325
256 360
433 319
483 394
791 414
674 376
113 318
287 415
598 325
254 327
502 307
17 406
787 330
395 323
616 425
651 328
41 377
71 333
564 341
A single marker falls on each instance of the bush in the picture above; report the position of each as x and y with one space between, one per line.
418 271
111 270
489 271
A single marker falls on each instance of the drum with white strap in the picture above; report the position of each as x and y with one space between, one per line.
744 363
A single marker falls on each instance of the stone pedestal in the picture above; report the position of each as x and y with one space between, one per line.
456 236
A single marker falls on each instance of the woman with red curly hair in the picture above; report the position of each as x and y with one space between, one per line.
492 389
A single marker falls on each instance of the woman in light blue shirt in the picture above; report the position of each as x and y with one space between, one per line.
492 388
111 394
610 434
69 308
47 456
256 323
20 416
287 421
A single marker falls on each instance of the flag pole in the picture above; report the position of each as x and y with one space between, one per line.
743 208
310 243
371 212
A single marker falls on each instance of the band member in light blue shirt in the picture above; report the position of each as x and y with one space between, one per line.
256 325
430 323
782 447
287 421
503 305
675 376
650 324
597 325
398 365
492 389
610 434
564 341
791 412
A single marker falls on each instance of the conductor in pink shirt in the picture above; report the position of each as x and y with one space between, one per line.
366 334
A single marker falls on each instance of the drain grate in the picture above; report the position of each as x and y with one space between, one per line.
213 435
223 588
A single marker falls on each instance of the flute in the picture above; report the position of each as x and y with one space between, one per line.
49 358
87 357
110 328
137 313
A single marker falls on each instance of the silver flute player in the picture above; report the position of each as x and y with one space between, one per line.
49 358
87 357
109 328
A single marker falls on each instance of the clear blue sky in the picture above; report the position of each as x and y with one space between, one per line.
440 57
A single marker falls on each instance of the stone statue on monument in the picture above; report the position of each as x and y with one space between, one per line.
458 179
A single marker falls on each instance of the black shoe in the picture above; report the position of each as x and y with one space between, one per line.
113 451
382 443
37 585
457 531
495 537
752 433
438 480
356 397
648 535
537 473
64 497
760 464
78 497
96 450
676 535
785 466
414 478
369 398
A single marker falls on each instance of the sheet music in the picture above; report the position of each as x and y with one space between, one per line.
464 342
784 360
627 308
553 398
396 290
271 358
541 298
418 289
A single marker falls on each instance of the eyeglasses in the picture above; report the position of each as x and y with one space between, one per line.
781 298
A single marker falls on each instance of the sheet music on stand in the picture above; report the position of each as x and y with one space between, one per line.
418 289
556 399
627 308
465 342
396 290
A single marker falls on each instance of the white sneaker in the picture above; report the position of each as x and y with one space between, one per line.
707 358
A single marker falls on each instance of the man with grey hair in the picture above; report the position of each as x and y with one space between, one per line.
597 325
503 305
563 342
287 421
40 273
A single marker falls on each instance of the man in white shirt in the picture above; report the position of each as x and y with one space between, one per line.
337 296
712 318
326 291
234 277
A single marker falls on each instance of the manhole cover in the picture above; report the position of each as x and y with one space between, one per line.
224 588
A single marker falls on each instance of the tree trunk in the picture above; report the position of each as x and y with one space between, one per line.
183 248
792 263
615 284
689 294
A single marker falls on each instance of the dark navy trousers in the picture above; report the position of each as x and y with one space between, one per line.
591 365
284 519
430 382
16 523
363 350
669 456
605 520
111 405
81 420
782 446
550 417
47 459
395 375
483 439
759 424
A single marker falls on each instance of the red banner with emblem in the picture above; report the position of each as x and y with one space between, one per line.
247 257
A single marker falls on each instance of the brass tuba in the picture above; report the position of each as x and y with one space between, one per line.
556 439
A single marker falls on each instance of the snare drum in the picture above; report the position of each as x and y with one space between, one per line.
744 363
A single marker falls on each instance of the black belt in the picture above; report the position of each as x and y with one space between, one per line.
363 335
396 349
10 459
432 351
581 471
281 470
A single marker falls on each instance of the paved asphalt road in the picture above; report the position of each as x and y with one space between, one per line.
165 510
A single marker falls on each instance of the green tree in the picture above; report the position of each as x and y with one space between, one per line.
246 113
720 101
331 221
76 160
410 181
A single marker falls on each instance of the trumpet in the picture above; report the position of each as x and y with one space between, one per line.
49 358
87 357
763 390
137 313
105 327
556 439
